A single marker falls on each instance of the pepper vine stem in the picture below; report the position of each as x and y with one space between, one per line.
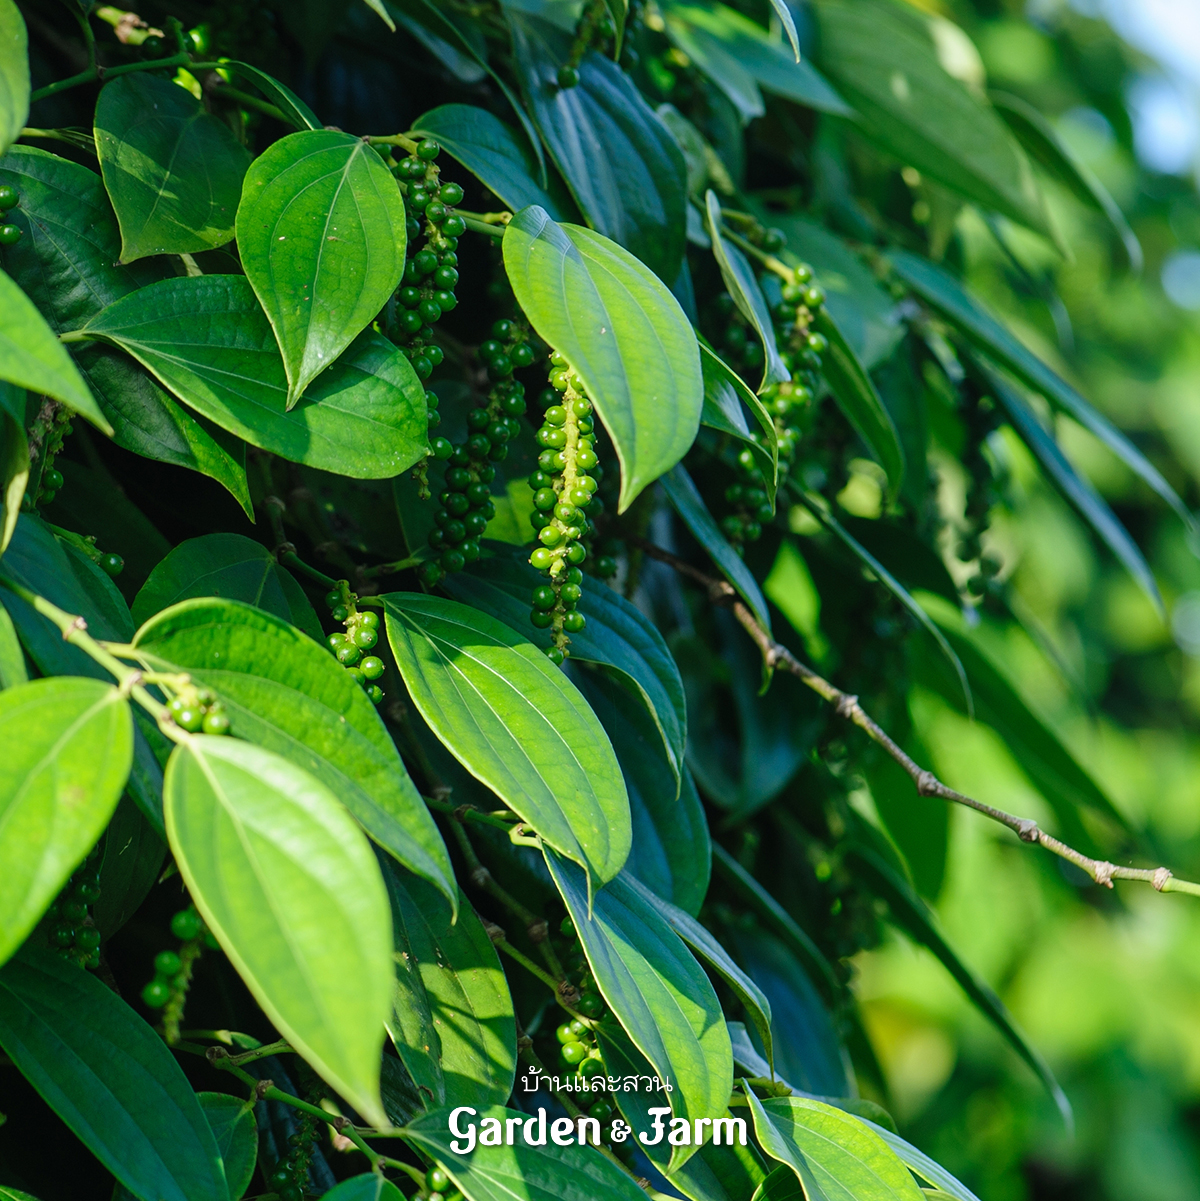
778 656
74 630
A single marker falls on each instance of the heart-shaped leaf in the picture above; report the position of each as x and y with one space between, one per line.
623 333
517 723
206 339
109 1077
68 746
173 171
288 884
234 1128
321 234
286 693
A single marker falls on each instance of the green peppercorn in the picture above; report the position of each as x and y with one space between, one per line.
9 197
156 994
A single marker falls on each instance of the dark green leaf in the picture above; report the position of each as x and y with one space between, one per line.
656 990
623 333
1048 150
618 636
884 62
458 34
14 473
808 1051
148 422
68 744
289 886
109 1077
14 74
288 694
452 1022
226 565
671 851
173 171
206 339
623 167
494 154
831 1151
983 330
370 1186
743 286
682 494
706 946
924 1167
517 724
856 396
822 512
12 660
854 298
232 1123
66 259
1077 490
530 1173
750 892
915 917
725 45
295 111
724 394
32 357
132 859
321 235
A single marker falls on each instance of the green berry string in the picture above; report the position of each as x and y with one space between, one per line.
49 429
594 28
431 273
465 504
563 490
290 1177
10 234
173 970
354 644
72 932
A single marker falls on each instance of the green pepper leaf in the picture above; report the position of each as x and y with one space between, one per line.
14 74
544 1172
623 333
286 693
68 746
234 1128
173 171
516 723
452 1021
206 339
288 885
321 234
109 1077
370 1186
656 990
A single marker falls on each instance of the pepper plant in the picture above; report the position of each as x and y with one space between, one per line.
414 714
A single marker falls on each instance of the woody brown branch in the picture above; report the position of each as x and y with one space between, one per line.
777 656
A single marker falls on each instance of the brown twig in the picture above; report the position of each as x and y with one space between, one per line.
778 656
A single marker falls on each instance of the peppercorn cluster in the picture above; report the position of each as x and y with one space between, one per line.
465 503
352 645
173 969
291 1174
563 491
198 710
431 273
73 934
